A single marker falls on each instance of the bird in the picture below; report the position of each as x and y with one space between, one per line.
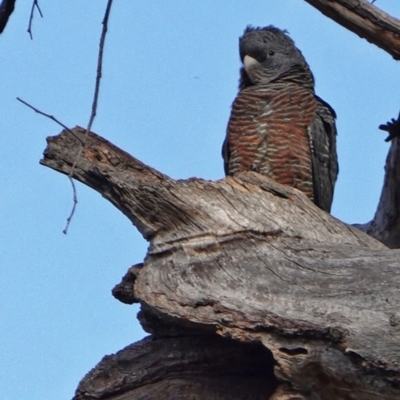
278 126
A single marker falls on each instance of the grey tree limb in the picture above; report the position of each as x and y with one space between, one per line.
364 19
247 259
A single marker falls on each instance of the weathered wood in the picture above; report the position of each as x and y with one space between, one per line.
366 20
193 367
256 261
385 225
329 313
167 211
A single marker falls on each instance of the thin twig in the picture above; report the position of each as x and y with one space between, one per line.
75 198
94 103
50 117
100 64
74 201
35 3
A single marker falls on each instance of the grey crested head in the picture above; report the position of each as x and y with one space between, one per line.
269 55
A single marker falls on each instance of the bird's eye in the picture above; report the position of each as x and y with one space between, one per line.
271 53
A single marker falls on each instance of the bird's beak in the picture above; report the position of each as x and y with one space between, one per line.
248 63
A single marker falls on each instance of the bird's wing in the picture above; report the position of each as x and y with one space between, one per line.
323 153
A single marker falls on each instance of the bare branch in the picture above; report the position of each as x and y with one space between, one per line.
6 9
366 20
94 106
94 103
48 116
100 64
74 203
35 4
169 214
75 198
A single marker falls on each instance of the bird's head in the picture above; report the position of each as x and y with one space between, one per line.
269 54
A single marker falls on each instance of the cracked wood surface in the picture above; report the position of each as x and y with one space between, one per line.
256 261
329 313
168 211
208 367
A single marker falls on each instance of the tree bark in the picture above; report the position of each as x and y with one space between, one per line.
364 19
205 366
247 259
385 226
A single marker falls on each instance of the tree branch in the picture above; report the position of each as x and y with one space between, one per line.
6 9
93 112
52 117
256 261
165 210
99 64
364 19
35 5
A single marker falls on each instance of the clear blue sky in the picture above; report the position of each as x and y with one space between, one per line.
170 75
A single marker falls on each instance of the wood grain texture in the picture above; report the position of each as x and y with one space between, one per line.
195 367
248 259
366 20
167 211
329 313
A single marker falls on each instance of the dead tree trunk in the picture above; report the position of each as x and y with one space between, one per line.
247 289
